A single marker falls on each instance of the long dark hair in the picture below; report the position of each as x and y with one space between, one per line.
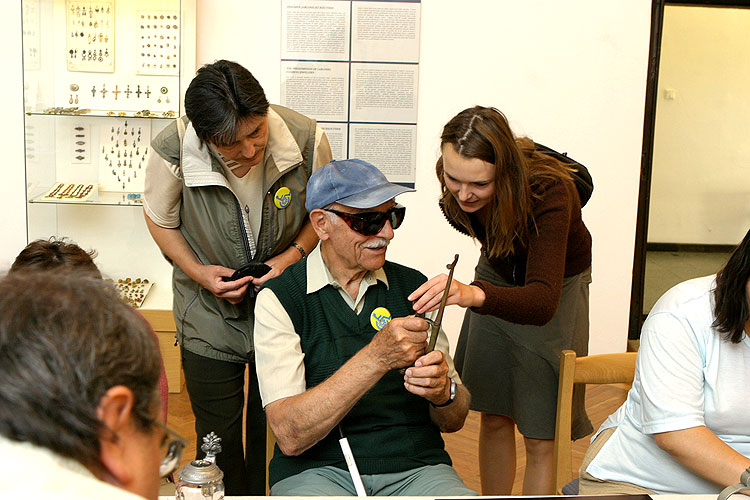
731 307
484 133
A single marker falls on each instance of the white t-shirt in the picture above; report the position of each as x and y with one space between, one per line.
686 376
249 192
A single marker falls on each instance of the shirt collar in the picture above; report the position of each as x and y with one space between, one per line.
281 144
318 275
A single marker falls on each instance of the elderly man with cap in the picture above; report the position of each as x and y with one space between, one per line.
330 362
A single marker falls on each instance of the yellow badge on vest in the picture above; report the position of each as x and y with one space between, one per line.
380 317
282 198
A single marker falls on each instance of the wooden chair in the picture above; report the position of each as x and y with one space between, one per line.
616 368
270 443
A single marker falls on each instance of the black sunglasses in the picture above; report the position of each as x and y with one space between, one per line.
370 223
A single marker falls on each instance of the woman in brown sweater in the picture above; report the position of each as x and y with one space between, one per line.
529 300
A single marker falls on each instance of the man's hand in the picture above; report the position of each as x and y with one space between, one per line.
399 343
232 291
429 378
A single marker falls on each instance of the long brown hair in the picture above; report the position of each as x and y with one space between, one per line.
484 133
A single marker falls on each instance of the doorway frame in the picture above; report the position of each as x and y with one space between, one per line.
647 153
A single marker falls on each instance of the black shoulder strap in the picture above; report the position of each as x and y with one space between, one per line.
581 176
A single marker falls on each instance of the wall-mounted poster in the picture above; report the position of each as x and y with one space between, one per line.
354 66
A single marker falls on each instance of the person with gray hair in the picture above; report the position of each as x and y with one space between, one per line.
225 192
79 402
61 254
332 335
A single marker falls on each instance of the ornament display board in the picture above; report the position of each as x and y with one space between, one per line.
133 290
123 146
31 35
158 39
69 192
90 36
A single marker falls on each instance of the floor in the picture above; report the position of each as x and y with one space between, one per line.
601 401
666 269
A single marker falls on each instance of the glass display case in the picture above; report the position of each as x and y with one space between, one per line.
101 79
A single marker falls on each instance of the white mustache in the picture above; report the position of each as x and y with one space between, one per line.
376 243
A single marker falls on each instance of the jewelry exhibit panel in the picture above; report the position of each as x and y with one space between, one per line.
123 147
81 144
90 35
118 97
31 35
158 39
69 192
133 290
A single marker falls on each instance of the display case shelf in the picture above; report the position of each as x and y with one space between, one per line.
166 115
110 198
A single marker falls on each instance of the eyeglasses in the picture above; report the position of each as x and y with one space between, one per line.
172 447
370 223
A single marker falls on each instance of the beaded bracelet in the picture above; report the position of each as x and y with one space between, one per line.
299 249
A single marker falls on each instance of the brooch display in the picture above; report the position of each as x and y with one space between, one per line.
133 291
70 192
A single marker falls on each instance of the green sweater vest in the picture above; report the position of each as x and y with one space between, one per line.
389 429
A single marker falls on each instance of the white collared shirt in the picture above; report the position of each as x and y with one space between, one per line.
31 471
279 360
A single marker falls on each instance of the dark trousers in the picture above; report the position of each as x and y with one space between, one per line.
217 395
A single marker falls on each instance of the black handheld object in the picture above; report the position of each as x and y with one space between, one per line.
254 269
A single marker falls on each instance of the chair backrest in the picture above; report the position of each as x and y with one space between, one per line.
616 368
270 443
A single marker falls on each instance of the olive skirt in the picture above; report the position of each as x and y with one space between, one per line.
513 370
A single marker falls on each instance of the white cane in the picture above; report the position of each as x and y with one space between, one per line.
351 464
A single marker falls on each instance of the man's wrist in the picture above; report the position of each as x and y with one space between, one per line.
452 395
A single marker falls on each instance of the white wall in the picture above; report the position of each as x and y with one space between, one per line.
701 171
569 74
12 191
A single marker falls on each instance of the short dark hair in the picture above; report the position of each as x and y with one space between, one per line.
53 254
222 95
65 339
731 308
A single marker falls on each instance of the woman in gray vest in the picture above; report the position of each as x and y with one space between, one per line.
225 187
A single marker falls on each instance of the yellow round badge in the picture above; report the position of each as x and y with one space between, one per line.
380 317
282 198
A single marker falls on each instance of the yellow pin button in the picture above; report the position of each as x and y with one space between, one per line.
282 198
380 317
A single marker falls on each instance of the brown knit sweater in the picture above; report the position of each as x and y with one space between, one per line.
559 246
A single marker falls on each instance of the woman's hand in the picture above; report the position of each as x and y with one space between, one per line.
429 295
278 263
210 278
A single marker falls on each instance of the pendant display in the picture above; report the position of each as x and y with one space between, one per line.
90 35
123 146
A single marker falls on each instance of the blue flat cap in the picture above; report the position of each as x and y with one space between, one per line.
354 183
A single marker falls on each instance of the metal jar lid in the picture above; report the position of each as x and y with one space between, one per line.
200 472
